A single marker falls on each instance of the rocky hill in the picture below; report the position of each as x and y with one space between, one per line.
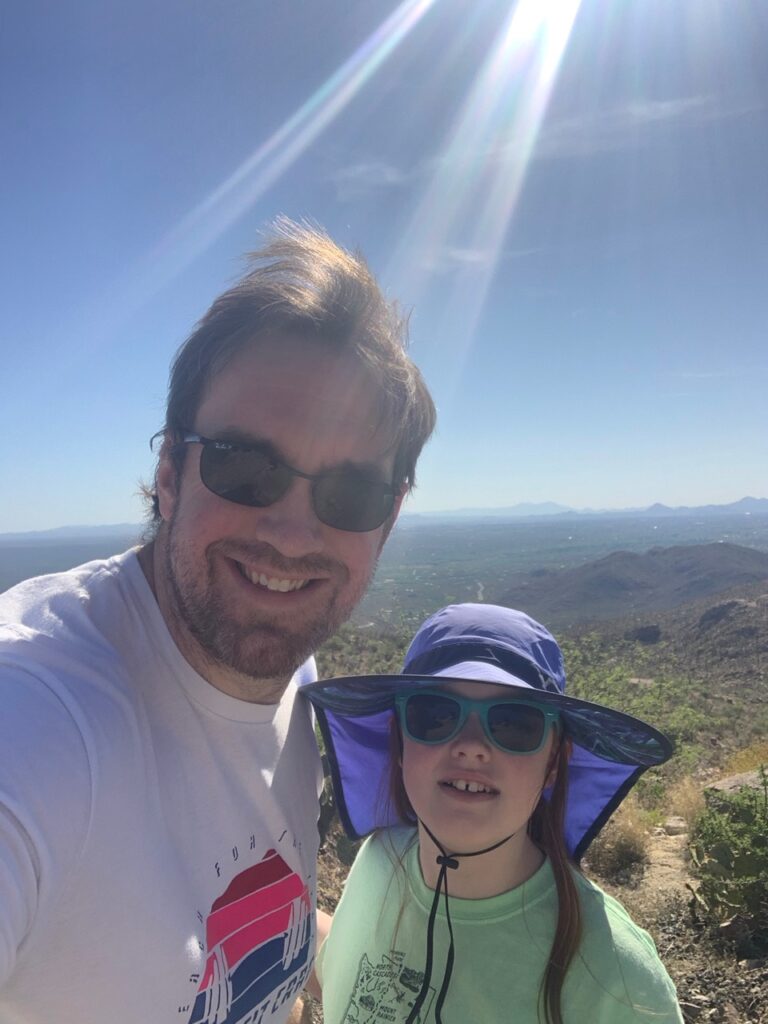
724 638
626 583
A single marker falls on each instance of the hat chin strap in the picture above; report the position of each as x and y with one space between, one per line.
444 860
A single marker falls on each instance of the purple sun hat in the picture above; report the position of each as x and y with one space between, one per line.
490 644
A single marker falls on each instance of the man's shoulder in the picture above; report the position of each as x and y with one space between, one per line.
60 643
39 601
76 610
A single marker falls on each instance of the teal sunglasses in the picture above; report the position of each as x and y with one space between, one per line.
436 716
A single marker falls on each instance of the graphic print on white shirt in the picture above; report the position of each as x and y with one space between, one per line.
258 938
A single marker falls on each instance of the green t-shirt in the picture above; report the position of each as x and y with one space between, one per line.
371 965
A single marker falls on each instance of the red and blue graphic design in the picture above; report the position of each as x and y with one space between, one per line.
257 943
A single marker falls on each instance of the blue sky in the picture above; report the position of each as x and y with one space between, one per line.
571 197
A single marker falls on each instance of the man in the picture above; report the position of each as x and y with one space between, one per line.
158 781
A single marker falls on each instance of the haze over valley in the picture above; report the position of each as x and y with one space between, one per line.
563 566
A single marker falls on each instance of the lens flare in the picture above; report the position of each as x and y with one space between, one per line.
206 222
202 225
470 196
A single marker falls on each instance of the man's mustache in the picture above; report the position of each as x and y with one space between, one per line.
270 558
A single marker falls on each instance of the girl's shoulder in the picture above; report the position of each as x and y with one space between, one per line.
622 958
382 851
388 842
605 916
377 880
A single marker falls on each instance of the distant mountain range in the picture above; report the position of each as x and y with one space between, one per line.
524 510
65 534
529 510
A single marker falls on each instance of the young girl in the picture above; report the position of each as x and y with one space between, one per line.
483 785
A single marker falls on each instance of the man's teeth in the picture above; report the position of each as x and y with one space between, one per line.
272 582
469 787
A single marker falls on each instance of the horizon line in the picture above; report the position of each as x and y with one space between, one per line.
557 509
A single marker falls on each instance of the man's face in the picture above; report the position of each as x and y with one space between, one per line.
253 591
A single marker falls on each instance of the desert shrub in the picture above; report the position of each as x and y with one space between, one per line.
729 849
749 758
650 791
686 799
687 758
684 724
358 651
622 846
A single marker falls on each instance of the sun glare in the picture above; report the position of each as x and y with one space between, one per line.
470 197
206 222
471 192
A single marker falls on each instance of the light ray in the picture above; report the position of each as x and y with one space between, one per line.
205 223
251 179
471 196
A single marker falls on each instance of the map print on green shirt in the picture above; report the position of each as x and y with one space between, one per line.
386 991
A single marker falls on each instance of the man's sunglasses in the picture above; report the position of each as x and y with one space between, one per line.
435 716
251 474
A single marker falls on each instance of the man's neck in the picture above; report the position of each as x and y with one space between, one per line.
234 684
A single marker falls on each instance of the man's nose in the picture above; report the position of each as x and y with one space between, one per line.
290 524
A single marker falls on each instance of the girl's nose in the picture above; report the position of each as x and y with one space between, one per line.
471 741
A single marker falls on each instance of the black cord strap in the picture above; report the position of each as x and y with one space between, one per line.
444 860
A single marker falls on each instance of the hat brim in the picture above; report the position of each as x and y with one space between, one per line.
609 734
611 750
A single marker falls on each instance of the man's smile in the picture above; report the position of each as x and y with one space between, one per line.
281 584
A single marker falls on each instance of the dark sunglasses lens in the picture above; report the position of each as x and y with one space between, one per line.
430 718
516 727
246 476
351 501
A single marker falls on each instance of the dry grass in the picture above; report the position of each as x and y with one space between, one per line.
749 758
623 844
686 799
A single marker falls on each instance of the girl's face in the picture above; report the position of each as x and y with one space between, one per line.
467 791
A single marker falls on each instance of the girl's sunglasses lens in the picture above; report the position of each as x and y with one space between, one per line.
431 719
516 727
244 476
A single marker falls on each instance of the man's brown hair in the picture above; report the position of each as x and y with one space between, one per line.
301 283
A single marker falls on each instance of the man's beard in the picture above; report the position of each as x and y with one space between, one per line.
261 648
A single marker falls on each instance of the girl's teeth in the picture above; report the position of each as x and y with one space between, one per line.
469 787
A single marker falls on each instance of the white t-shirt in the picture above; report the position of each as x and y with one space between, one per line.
157 837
